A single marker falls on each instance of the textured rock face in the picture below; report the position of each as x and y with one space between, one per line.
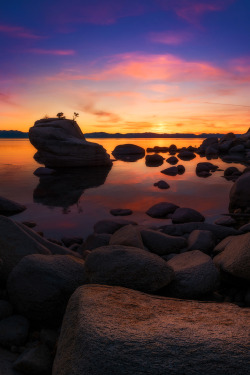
195 275
126 266
39 286
235 258
15 244
240 193
61 143
113 330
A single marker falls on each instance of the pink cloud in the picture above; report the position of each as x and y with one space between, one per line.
6 99
169 37
192 10
18 32
55 52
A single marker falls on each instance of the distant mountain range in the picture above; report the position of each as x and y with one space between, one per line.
19 134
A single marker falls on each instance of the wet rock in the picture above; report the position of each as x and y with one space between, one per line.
35 361
202 240
219 231
162 244
161 210
207 143
121 212
111 226
5 309
14 331
240 193
186 155
154 160
9 207
129 267
171 171
61 143
162 184
129 235
195 275
226 221
39 286
205 167
172 160
186 215
14 245
110 330
43 171
128 152
235 258
68 241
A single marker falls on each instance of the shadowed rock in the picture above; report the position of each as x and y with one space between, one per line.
154 160
65 187
61 143
128 152
161 210
186 155
113 330
240 193
9 207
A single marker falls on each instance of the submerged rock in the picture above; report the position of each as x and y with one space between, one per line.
162 184
112 330
61 143
186 215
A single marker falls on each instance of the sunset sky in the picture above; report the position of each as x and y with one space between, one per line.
127 65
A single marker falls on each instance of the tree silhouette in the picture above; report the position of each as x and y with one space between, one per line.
75 116
60 115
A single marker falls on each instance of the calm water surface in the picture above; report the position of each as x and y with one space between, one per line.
69 205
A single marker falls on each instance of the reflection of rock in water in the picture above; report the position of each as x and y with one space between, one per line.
65 187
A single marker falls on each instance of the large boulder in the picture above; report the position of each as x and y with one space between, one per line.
207 143
202 240
9 207
129 235
195 275
128 152
154 160
240 193
112 330
162 244
39 286
15 244
235 258
61 143
130 267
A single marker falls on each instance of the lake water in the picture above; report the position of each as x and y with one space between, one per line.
70 205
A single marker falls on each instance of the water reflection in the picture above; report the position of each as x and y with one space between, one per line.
65 187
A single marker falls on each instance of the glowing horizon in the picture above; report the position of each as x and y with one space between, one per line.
127 66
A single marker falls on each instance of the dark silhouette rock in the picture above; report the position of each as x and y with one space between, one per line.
128 152
161 210
154 160
162 184
240 193
162 244
9 207
121 212
186 155
186 215
172 160
61 143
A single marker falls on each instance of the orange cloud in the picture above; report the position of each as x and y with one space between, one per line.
107 116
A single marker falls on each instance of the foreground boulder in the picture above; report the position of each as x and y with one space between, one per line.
161 210
61 143
113 330
130 267
15 244
9 208
240 193
195 275
235 258
129 235
39 286
162 244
